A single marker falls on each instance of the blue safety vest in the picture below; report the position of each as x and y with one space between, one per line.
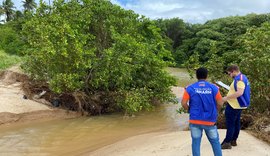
202 102
244 100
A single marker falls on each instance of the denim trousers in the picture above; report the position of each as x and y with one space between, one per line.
233 124
212 135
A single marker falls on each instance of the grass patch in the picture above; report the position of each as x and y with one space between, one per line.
8 60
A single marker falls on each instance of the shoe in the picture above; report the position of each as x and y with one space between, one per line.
233 143
226 145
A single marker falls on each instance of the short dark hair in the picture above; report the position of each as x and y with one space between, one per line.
201 73
232 68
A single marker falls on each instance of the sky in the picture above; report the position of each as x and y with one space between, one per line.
192 11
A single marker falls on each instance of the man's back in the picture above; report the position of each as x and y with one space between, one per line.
202 102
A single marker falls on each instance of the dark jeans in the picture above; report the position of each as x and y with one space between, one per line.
232 123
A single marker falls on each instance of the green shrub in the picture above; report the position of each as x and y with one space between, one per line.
255 62
253 57
10 40
94 46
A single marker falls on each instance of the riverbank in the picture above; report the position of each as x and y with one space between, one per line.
179 144
7 118
16 108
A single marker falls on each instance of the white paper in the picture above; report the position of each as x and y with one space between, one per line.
223 85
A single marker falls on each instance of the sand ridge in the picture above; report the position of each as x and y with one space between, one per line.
15 108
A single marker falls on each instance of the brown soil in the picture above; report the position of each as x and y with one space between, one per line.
260 127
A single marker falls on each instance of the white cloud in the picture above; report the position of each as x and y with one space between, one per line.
195 11
159 6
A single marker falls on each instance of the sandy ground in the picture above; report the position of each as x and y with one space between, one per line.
14 108
179 144
12 101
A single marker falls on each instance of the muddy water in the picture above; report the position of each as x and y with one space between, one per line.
182 76
82 135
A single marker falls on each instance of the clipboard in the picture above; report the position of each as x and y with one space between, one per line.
223 85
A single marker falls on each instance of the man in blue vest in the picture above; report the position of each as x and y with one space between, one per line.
238 98
204 101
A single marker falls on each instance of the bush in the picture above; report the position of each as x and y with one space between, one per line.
10 40
255 62
253 57
95 47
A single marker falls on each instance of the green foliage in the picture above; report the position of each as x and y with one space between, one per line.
234 26
135 100
95 46
215 64
257 19
58 49
184 51
241 42
175 31
222 32
210 34
8 60
10 40
255 62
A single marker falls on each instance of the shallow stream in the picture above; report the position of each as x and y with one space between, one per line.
85 134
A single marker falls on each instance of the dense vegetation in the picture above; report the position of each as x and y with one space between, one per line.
242 40
109 59
104 62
